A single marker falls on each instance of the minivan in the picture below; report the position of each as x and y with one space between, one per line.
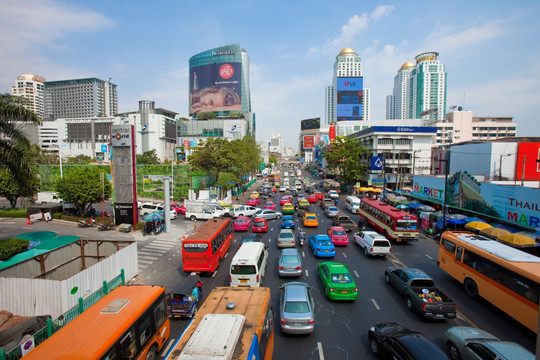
352 203
249 264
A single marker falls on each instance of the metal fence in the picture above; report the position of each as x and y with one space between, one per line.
54 325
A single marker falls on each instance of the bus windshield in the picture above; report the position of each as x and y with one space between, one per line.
406 224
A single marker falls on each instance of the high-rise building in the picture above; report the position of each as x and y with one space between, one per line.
349 100
219 84
80 98
276 145
31 87
418 88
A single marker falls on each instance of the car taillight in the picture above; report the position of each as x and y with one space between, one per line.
281 268
355 290
424 306
312 321
455 308
257 278
283 322
230 277
293 242
333 290
371 250
318 249
298 268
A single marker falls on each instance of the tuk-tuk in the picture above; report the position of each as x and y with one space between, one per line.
183 300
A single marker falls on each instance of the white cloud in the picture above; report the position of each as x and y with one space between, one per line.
381 11
449 39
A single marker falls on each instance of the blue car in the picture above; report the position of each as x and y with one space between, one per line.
287 222
322 246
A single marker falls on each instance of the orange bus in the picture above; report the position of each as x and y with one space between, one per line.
130 322
393 223
203 250
505 276
240 322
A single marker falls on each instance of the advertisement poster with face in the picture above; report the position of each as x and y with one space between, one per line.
216 87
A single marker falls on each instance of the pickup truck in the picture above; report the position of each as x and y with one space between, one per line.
325 202
344 221
420 293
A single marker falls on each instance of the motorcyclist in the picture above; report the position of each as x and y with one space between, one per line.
301 237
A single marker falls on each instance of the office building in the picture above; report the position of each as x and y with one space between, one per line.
276 145
460 126
347 99
419 90
31 87
80 98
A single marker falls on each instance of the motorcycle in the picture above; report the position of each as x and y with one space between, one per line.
106 226
83 223
301 238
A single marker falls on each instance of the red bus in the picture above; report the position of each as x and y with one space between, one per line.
203 250
393 223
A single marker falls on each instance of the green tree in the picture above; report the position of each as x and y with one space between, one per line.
82 186
79 160
147 158
10 189
343 157
227 180
14 144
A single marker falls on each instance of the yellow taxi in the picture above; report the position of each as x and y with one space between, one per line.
287 209
310 219
254 195
276 184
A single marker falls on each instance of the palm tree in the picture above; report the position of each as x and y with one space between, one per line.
14 145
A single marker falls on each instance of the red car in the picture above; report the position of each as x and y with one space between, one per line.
242 223
312 198
338 235
179 209
270 205
319 195
285 199
260 225
253 201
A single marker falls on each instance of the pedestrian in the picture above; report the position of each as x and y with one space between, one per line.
199 287
336 202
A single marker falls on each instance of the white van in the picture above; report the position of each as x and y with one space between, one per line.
249 264
352 203
373 243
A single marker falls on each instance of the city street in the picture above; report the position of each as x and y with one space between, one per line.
341 327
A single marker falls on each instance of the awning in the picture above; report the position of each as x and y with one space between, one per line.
477 225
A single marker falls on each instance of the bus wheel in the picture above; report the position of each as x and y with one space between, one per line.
152 353
471 288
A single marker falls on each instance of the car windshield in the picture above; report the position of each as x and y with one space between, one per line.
339 233
311 217
341 278
296 307
290 259
332 208
258 223
243 269
324 242
240 221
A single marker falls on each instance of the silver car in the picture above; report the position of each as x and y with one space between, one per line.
290 263
286 238
267 214
331 211
297 313
467 343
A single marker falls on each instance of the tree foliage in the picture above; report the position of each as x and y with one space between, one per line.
230 159
82 186
79 160
14 145
147 158
11 190
343 158
272 160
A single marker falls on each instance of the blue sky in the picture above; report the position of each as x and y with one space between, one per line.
491 50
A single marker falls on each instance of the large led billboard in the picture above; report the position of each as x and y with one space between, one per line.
215 87
310 124
309 141
349 98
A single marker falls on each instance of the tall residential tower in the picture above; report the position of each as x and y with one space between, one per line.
31 87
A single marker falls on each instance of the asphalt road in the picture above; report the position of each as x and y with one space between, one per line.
340 327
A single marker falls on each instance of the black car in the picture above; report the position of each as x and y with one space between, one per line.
250 238
294 192
395 341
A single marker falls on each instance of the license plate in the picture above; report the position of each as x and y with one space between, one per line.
344 292
326 250
243 281
439 316
297 324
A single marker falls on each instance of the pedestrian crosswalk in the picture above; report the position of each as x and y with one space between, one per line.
154 250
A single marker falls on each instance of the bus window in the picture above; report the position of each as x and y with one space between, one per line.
459 253
128 345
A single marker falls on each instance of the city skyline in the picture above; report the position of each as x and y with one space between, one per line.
487 48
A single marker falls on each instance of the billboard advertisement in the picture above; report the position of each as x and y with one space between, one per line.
349 98
215 87
528 162
514 204
332 133
310 124
309 141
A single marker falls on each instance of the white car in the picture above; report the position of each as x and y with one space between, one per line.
244 210
373 243
283 188
332 194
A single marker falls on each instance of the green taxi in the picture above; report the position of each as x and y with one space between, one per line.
287 209
337 281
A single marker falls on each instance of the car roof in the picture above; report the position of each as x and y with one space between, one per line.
335 267
295 291
321 237
374 234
